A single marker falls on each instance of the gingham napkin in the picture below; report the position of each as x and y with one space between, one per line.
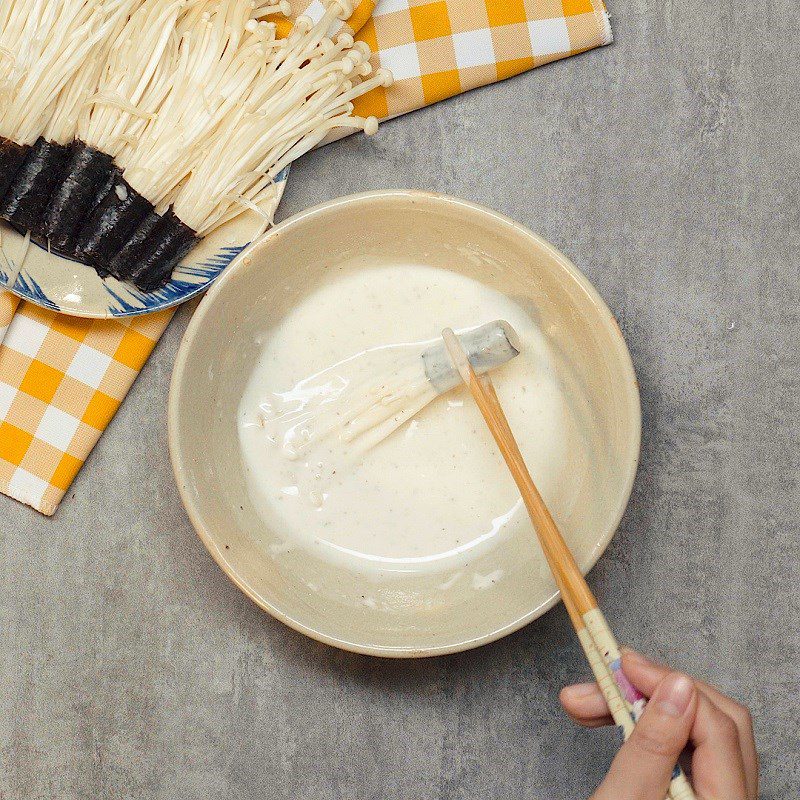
437 50
61 381
62 378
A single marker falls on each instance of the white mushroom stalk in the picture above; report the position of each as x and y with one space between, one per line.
129 129
262 9
135 79
221 51
63 125
43 44
19 23
303 93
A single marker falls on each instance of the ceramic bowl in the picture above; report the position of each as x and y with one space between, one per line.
412 617
63 285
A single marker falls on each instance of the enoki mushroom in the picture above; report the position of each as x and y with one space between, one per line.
130 129
304 90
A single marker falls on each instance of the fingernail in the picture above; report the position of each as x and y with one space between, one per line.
582 689
673 694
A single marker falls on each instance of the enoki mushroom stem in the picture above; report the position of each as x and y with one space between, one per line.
140 126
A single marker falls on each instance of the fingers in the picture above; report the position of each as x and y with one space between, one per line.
585 704
744 730
718 767
725 762
645 674
643 767
747 742
642 672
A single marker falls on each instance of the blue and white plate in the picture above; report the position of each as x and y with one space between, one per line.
63 285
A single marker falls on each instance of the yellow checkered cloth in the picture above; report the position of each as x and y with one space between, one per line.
61 381
62 378
439 49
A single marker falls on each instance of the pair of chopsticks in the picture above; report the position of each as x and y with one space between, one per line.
624 701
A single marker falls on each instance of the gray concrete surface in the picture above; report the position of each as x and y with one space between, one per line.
666 166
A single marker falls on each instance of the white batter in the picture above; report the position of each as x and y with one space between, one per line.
435 489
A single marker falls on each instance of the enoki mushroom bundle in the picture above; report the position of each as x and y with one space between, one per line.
130 129
43 45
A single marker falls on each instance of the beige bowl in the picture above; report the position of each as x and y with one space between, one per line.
320 599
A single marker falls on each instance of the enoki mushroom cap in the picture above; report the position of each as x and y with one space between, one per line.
386 77
346 7
303 24
364 49
304 90
345 40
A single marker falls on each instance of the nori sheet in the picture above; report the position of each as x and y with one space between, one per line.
111 224
26 199
73 199
88 176
126 261
154 250
12 156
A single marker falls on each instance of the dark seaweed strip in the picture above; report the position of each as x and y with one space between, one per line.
166 259
154 251
26 199
88 176
12 156
111 224
137 248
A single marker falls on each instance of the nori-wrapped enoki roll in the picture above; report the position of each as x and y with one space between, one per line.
113 221
179 122
44 45
153 252
88 177
33 184
88 173
304 92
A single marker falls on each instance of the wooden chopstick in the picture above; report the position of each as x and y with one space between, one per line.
624 701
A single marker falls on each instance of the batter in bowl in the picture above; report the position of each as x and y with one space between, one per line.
353 455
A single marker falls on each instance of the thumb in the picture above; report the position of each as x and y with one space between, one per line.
643 767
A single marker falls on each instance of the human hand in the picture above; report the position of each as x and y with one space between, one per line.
680 711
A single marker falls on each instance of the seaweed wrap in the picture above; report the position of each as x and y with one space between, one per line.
118 108
111 224
87 177
26 199
12 156
44 46
153 252
125 262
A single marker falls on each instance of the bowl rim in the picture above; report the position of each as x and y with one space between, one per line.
245 259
